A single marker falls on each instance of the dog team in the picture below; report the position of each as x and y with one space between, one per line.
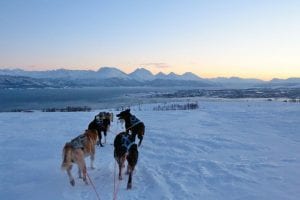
125 147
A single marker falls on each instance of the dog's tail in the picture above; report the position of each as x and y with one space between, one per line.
67 156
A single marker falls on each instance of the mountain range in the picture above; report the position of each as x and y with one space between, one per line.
140 74
112 76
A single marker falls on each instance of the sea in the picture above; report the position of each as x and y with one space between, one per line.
93 97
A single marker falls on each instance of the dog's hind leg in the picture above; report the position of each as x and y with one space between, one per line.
99 138
81 164
72 181
105 133
120 169
128 169
92 157
79 172
129 183
82 167
121 162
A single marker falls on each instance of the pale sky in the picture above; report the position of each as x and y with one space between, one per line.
211 38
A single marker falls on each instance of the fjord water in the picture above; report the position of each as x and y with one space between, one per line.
94 97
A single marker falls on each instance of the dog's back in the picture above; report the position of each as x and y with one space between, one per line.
89 144
120 150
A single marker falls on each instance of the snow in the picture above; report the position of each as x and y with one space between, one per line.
224 150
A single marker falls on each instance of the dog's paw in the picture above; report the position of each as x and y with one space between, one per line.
85 181
72 182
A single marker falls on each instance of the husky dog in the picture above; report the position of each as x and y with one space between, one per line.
126 149
101 123
75 152
133 124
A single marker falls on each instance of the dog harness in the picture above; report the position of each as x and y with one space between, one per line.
99 121
134 121
78 142
126 142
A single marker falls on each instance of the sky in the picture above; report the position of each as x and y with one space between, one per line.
245 38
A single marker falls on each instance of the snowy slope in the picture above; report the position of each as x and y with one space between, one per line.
224 150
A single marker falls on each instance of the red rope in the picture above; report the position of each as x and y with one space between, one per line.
114 181
98 197
116 188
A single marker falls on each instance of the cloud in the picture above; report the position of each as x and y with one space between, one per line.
156 65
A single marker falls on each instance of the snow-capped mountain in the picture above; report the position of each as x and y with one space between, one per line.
111 72
55 74
190 76
187 76
161 75
142 74
237 82
7 81
173 76
102 73
170 76
290 82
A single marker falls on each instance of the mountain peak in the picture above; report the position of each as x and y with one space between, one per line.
106 68
111 72
190 76
172 75
142 74
141 69
161 75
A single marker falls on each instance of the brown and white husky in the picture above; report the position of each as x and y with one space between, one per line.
75 152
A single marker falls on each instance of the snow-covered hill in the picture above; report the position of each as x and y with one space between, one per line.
111 72
188 76
142 74
236 82
24 82
224 150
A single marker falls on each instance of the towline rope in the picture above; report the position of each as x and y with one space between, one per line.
116 187
98 197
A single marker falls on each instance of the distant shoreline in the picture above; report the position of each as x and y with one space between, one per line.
84 99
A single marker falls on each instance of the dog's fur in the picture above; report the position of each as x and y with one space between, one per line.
121 153
76 155
138 129
105 118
